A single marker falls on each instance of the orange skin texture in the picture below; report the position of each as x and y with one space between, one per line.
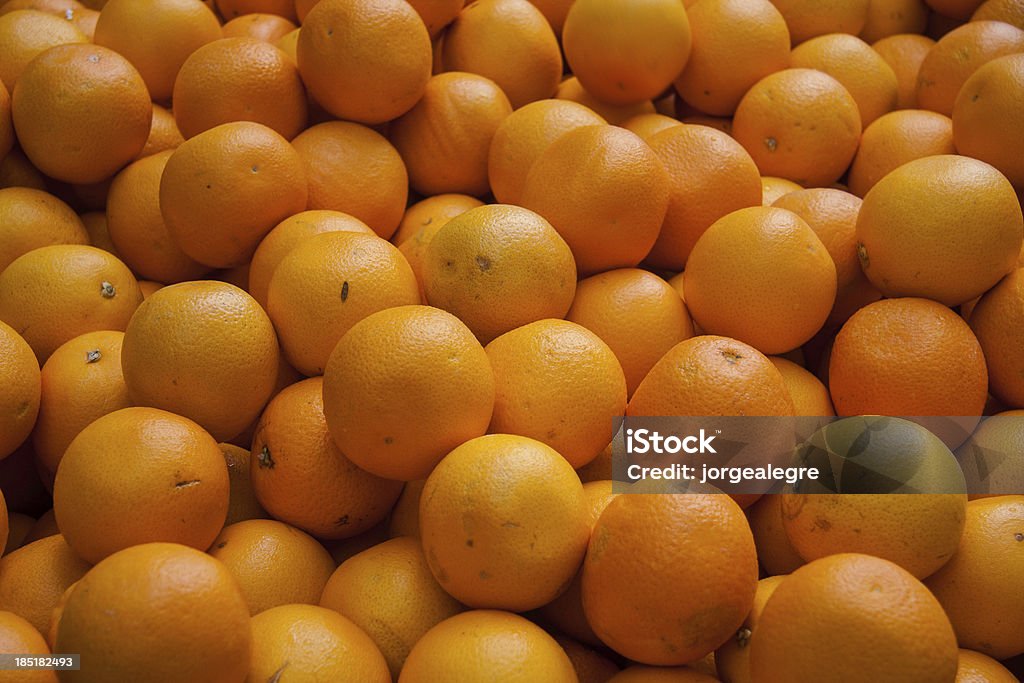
35 576
554 11
404 387
732 659
16 171
896 138
809 18
366 61
974 667
161 475
58 7
817 151
894 17
20 388
1010 11
775 552
649 125
615 114
626 591
243 178
17 635
508 41
954 9
445 139
230 9
661 674
216 364
24 34
405 516
916 237
736 43
436 14
84 137
239 79
242 503
427 216
151 603
817 621
773 188
984 113
810 396
268 28
6 125
605 191
354 169
300 476
997 321
590 665
905 52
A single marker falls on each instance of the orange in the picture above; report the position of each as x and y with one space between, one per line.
773 188
731 378
486 645
144 607
775 552
862 71
629 575
818 622
608 208
286 235
917 237
18 527
649 125
990 100
887 18
85 134
445 139
774 293
554 11
559 383
147 287
959 54
626 52
24 34
19 390
268 28
436 14
815 152
615 114
986 467
710 175
6 125
156 36
977 587
423 219
389 592
17 171
239 79
95 223
85 19
405 516
1010 11
53 294
33 577
241 177
809 18
203 350
307 642
300 476
810 396
403 387
524 135
273 563
638 673
997 321
974 667
590 665
893 140
242 503
509 42
230 9
45 526
81 382
732 659
329 282
905 52
163 133
18 636
31 218
615 305
954 9
736 43
58 7
364 60
137 226
139 475
354 169
288 43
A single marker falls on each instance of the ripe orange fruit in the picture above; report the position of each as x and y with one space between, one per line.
354 169
139 475
95 223
389 592
405 516
626 52
242 503
615 114
809 18
58 7
55 293
977 588
144 607
1010 11
301 477
974 667
403 387
893 140
503 523
997 321
329 282
273 563
814 153
609 209
905 52
810 396
509 42
648 125
24 34
590 665
156 36
203 350
18 636
894 17
85 137
736 43
6 125
732 659
224 189
813 622
231 9
627 577
19 390
436 14
482 645
445 139
81 382
163 133
17 171
524 135
775 552
239 79
989 101
423 219
559 383
33 577
957 55
268 28
917 237
773 188
364 60
733 379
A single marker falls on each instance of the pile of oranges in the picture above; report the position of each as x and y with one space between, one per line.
316 318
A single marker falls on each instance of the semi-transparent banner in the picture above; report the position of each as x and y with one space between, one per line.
869 454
